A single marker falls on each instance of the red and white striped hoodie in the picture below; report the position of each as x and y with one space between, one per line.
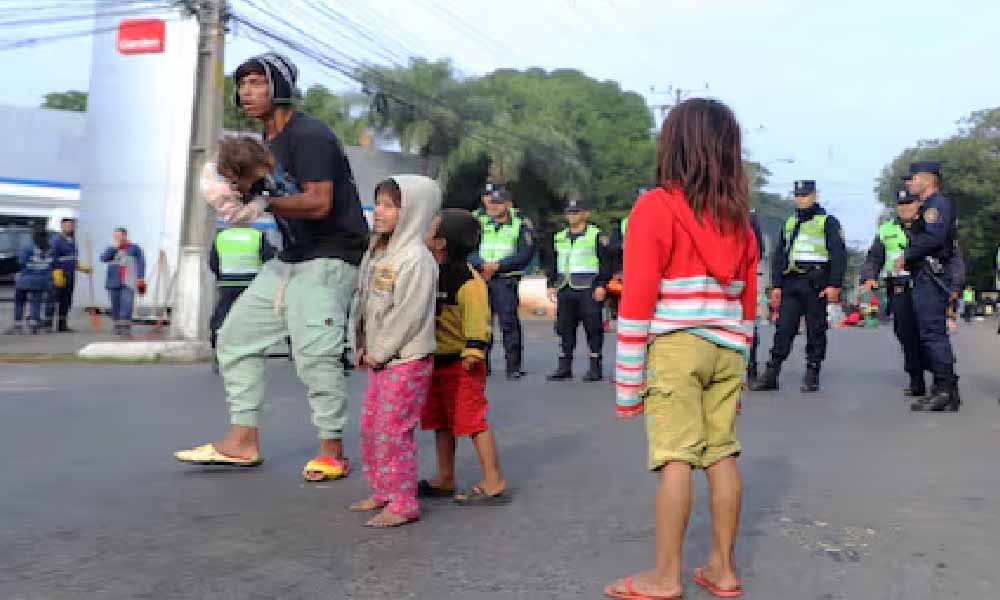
680 275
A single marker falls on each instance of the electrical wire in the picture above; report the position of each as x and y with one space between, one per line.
409 97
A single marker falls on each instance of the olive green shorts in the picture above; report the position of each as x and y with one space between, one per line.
693 386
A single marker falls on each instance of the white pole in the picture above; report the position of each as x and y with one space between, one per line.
195 292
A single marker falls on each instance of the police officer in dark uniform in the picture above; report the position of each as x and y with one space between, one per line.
893 238
931 247
506 249
578 285
752 362
806 273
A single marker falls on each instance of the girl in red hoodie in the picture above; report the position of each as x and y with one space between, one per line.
685 325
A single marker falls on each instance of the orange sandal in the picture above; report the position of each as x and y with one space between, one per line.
630 594
700 579
323 468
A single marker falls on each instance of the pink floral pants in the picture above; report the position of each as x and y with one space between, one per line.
389 419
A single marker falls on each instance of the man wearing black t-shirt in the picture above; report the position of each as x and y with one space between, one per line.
303 294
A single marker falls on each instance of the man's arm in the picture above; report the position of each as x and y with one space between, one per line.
606 261
838 252
873 261
551 265
109 254
956 270
315 202
521 258
755 225
140 262
778 261
937 220
616 245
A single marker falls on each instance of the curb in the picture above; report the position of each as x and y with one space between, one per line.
146 352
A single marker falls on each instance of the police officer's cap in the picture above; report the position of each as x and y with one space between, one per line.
905 197
804 187
925 166
497 192
576 204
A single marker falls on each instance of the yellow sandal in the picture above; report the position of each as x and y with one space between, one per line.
323 468
208 455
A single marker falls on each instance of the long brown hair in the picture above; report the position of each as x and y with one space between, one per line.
699 151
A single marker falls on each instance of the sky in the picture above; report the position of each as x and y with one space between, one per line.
840 88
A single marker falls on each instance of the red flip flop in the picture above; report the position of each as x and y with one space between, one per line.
631 594
700 579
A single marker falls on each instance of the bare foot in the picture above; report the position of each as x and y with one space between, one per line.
645 584
386 519
240 442
493 488
367 505
724 579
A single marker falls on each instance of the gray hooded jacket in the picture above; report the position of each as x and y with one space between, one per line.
394 307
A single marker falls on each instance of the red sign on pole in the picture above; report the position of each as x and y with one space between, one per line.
142 36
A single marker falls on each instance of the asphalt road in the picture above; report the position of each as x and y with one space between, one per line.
848 495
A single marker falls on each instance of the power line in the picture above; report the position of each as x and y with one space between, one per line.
407 96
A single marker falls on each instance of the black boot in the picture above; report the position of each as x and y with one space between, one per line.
751 374
595 372
514 371
810 382
917 387
945 396
769 382
922 403
64 326
564 370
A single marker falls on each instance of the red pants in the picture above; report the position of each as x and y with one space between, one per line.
457 400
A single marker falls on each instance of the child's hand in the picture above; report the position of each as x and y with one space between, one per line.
469 362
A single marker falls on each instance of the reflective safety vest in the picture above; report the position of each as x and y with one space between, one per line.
969 295
893 238
624 227
577 263
497 244
810 243
239 255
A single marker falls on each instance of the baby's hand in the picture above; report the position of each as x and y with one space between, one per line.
215 189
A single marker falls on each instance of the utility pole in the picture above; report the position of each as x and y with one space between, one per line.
194 292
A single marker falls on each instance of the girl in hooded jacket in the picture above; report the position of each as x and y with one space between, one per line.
394 338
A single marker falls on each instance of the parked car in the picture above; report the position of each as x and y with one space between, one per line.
12 239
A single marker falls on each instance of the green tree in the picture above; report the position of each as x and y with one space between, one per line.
333 110
71 100
970 178
546 134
